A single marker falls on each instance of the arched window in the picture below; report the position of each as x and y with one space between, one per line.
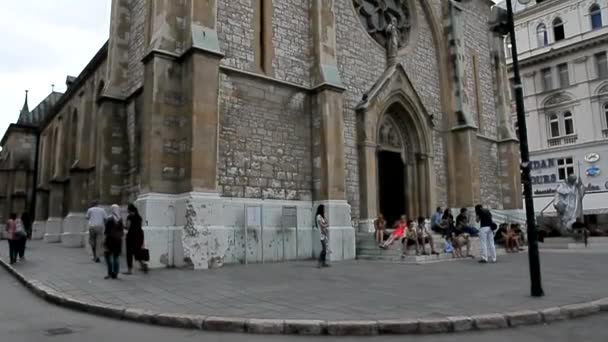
541 34
568 123
558 29
554 126
508 46
606 113
595 13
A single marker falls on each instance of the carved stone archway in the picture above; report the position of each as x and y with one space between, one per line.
392 116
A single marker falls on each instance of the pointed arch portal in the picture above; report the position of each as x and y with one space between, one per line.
395 151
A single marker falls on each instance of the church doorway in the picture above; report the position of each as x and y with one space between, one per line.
391 183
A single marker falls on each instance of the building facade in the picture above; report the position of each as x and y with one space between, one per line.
228 122
562 47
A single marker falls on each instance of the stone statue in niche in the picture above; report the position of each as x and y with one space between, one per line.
387 21
393 44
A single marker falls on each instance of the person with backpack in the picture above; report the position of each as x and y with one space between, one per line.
322 224
486 234
114 231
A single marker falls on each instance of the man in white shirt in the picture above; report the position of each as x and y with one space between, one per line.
97 219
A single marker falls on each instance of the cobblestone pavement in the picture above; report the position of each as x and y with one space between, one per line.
353 290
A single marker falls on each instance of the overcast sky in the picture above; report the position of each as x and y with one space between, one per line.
43 41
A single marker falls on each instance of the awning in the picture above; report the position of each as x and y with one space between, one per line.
594 203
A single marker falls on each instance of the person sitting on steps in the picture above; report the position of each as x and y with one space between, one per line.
410 238
424 236
397 234
459 239
380 226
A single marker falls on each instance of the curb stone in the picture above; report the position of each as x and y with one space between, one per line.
179 321
265 326
434 326
552 315
490 321
461 323
224 324
398 327
580 310
305 327
314 327
527 317
352 328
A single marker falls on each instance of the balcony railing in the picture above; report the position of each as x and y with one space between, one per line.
568 140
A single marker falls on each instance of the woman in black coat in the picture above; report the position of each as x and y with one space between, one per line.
135 240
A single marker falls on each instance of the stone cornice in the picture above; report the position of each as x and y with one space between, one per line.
562 51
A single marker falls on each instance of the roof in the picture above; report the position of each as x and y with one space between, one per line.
40 113
25 111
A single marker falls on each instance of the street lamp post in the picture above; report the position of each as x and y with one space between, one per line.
533 254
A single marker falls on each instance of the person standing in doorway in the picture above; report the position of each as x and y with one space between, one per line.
135 240
323 226
114 232
486 235
97 219
11 228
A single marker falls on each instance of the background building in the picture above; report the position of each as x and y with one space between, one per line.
228 122
562 46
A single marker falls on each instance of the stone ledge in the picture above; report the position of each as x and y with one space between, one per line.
315 327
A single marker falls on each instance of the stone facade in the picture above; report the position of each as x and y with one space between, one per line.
227 123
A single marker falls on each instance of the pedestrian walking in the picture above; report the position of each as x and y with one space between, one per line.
114 231
135 240
322 224
486 235
96 217
11 228
21 235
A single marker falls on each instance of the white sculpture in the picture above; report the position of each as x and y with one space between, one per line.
393 43
569 202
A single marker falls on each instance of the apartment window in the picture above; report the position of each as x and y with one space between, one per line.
564 78
547 79
606 113
565 168
558 29
595 13
568 123
554 126
508 46
541 34
601 64
516 126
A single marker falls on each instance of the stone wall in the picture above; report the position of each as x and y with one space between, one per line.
137 45
489 173
265 141
292 41
478 42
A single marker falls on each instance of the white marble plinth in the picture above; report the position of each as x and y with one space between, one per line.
205 231
38 230
74 228
367 226
54 227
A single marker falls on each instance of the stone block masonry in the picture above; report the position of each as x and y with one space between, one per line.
265 137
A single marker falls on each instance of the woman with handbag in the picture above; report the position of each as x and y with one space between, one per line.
135 241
